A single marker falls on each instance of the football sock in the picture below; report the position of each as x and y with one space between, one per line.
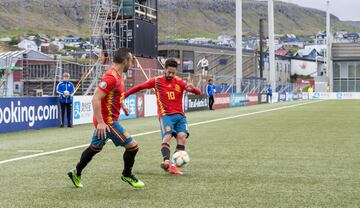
129 160
86 157
180 147
165 151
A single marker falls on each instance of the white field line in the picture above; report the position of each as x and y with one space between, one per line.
156 131
30 151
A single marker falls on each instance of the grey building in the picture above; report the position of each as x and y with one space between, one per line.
346 67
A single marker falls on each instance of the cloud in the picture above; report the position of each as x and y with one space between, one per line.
344 9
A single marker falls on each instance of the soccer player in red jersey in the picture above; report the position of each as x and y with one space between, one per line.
107 102
169 90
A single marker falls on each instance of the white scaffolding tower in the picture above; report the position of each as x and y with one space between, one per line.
104 15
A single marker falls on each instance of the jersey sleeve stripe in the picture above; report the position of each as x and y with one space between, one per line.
108 105
162 110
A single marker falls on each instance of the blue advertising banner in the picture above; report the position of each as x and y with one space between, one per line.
238 99
130 103
17 114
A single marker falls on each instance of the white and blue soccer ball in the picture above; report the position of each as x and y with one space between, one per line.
181 159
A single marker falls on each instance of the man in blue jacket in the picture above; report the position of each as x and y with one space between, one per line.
65 89
269 93
210 91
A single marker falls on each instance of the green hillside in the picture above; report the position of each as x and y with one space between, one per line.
208 18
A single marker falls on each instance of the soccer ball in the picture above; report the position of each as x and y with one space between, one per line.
66 93
181 158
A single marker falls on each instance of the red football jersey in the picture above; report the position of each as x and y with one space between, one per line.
112 84
169 94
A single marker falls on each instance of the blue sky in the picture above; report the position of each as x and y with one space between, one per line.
344 9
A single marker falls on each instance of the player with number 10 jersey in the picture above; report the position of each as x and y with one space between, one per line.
169 90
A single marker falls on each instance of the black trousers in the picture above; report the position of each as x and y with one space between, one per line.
211 102
68 107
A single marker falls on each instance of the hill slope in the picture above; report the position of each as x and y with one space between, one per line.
193 18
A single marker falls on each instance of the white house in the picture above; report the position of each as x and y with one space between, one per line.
31 37
6 39
294 44
226 40
320 48
28 45
59 44
200 40
307 67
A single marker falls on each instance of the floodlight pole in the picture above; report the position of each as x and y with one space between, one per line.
328 47
261 35
272 78
238 45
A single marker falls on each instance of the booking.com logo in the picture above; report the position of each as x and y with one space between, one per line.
18 113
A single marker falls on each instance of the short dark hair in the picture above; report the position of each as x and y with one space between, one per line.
121 55
171 62
210 80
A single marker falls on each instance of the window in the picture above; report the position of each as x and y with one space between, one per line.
337 86
358 86
351 87
344 86
344 71
174 53
42 71
358 70
32 73
336 70
188 61
38 71
352 70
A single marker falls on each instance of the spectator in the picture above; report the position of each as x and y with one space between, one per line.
269 94
210 91
65 89
310 89
204 65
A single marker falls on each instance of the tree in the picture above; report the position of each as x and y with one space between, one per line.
14 41
37 41
53 48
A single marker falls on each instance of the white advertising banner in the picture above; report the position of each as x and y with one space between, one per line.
82 110
347 95
150 105
305 96
334 95
275 97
